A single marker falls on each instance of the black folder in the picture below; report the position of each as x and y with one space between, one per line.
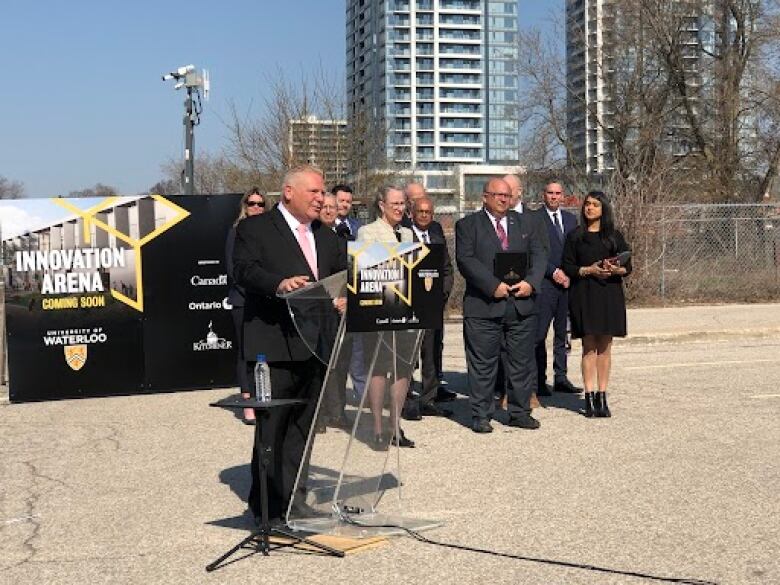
510 267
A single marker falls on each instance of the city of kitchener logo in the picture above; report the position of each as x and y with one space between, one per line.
212 341
75 356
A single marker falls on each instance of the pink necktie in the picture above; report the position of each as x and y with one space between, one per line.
502 235
303 242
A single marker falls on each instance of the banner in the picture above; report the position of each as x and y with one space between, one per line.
395 286
117 295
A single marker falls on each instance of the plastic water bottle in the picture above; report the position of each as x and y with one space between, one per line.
262 379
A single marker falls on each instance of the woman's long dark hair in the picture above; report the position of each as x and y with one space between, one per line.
607 223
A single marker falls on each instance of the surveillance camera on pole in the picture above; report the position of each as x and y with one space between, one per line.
197 84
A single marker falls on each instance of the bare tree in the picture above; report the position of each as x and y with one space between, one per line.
99 190
10 189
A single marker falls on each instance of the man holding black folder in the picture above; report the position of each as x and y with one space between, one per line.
502 256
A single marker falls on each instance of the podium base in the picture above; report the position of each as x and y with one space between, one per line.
364 525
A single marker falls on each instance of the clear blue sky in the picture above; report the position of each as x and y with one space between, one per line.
81 100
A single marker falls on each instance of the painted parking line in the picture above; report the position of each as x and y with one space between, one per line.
20 519
693 364
760 396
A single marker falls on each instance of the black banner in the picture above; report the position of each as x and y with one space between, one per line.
117 295
395 286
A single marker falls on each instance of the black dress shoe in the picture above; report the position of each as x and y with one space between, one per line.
600 404
444 395
339 422
566 387
378 443
481 425
543 390
249 421
590 407
524 422
430 409
400 440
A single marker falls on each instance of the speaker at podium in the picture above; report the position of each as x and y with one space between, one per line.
350 481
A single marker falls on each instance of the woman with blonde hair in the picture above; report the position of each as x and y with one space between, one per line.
252 203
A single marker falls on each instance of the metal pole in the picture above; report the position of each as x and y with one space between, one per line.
663 254
188 182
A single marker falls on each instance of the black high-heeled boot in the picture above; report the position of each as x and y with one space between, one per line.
590 408
600 403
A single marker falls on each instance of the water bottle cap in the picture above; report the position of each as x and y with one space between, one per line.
260 357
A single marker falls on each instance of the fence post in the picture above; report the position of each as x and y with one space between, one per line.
663 254
736 238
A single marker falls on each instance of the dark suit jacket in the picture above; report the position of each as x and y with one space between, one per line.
555 259
354 226
438 238
266 252
476 245
235 292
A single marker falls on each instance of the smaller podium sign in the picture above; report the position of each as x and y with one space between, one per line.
395 287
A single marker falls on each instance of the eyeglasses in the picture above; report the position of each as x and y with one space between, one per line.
399 204
423 212
255 203
554 192
497 194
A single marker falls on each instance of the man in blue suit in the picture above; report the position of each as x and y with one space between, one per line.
346 225
553 299
497 313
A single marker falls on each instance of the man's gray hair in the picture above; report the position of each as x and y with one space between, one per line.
292 174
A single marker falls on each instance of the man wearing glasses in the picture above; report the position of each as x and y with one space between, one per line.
495 312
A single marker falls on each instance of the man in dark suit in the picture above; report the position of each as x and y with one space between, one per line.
346 225
553 298
422 222
278 252
413 192
496 312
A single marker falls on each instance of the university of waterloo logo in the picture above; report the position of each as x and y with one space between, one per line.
75 356
90 218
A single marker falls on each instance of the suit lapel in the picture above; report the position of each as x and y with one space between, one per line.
317 229
292 242
513 229
487 223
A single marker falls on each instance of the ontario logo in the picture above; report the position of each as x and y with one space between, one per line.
212 342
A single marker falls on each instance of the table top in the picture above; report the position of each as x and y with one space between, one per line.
239 402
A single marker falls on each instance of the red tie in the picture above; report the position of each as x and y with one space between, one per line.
502 235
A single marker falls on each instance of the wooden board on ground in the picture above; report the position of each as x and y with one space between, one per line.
342 543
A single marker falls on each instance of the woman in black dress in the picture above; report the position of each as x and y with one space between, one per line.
597 306
252 203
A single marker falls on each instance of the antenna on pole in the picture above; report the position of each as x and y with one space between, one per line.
197 84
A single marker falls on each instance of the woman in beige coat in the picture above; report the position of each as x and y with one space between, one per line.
387 229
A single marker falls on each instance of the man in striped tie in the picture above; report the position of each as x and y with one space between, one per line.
496 312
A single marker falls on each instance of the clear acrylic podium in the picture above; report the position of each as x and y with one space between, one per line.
350 482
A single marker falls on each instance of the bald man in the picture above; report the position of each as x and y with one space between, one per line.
497 313
516 187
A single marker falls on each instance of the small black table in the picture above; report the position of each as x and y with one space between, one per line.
260 537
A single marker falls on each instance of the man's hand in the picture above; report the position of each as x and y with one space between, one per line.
560 277
522 289
292 283
340 303
502 291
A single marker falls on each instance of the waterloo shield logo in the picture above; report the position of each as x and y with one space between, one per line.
428 283
75 356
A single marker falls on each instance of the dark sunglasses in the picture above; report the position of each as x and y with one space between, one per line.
255 203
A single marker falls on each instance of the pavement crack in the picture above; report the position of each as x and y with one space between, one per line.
30 504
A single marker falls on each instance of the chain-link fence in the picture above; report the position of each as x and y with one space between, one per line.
691 253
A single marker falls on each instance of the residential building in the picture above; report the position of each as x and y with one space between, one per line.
321 143
437 79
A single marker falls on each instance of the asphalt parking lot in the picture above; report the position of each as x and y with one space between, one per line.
681 484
